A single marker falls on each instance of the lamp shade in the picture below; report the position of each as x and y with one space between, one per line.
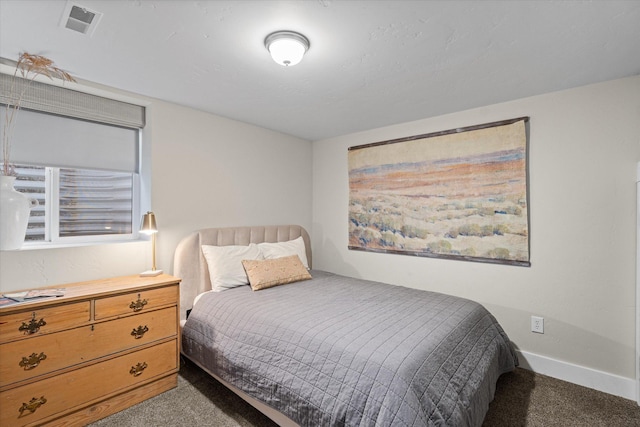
286 47
148 225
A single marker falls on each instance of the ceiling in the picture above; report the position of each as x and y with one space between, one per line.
370 64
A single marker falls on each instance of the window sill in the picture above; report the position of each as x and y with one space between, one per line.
44 246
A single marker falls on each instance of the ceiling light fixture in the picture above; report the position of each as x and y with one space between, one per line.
286 47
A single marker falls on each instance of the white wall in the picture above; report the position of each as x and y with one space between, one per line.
213 172
584 146
207 171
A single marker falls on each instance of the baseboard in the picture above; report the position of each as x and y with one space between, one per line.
587 377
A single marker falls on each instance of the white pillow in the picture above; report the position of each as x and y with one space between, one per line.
225 264
282 249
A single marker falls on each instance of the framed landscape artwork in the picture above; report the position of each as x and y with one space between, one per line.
457 194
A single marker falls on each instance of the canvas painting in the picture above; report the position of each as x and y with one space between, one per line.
457 194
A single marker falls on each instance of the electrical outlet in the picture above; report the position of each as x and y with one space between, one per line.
537 324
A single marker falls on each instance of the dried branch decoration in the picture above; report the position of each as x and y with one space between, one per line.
28 67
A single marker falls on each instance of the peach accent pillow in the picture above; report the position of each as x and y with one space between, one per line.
273 272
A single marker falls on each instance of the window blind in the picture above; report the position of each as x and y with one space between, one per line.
95 203
62 101
48 140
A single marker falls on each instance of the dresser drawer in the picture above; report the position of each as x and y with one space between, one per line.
135 302
24 359
40 321
73 389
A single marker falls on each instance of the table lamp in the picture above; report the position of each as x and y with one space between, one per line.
148 226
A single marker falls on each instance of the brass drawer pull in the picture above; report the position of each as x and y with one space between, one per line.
30 362
33 326
137 370
138 305
139 332
32 405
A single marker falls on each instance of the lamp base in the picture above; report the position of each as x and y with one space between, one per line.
151 273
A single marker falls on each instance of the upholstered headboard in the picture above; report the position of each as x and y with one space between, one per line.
190 265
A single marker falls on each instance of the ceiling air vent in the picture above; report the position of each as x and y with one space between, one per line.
79 18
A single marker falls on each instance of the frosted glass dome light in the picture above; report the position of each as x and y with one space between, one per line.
286 47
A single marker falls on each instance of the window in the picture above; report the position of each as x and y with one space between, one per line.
93 203
79 155
90 204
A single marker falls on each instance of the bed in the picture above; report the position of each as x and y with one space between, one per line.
330 350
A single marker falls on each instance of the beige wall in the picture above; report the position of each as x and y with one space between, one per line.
584 146
207 171
213 172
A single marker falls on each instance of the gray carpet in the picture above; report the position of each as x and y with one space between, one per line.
522 399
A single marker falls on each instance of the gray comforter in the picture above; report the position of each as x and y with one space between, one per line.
336 351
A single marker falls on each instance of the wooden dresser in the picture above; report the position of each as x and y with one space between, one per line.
104 346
